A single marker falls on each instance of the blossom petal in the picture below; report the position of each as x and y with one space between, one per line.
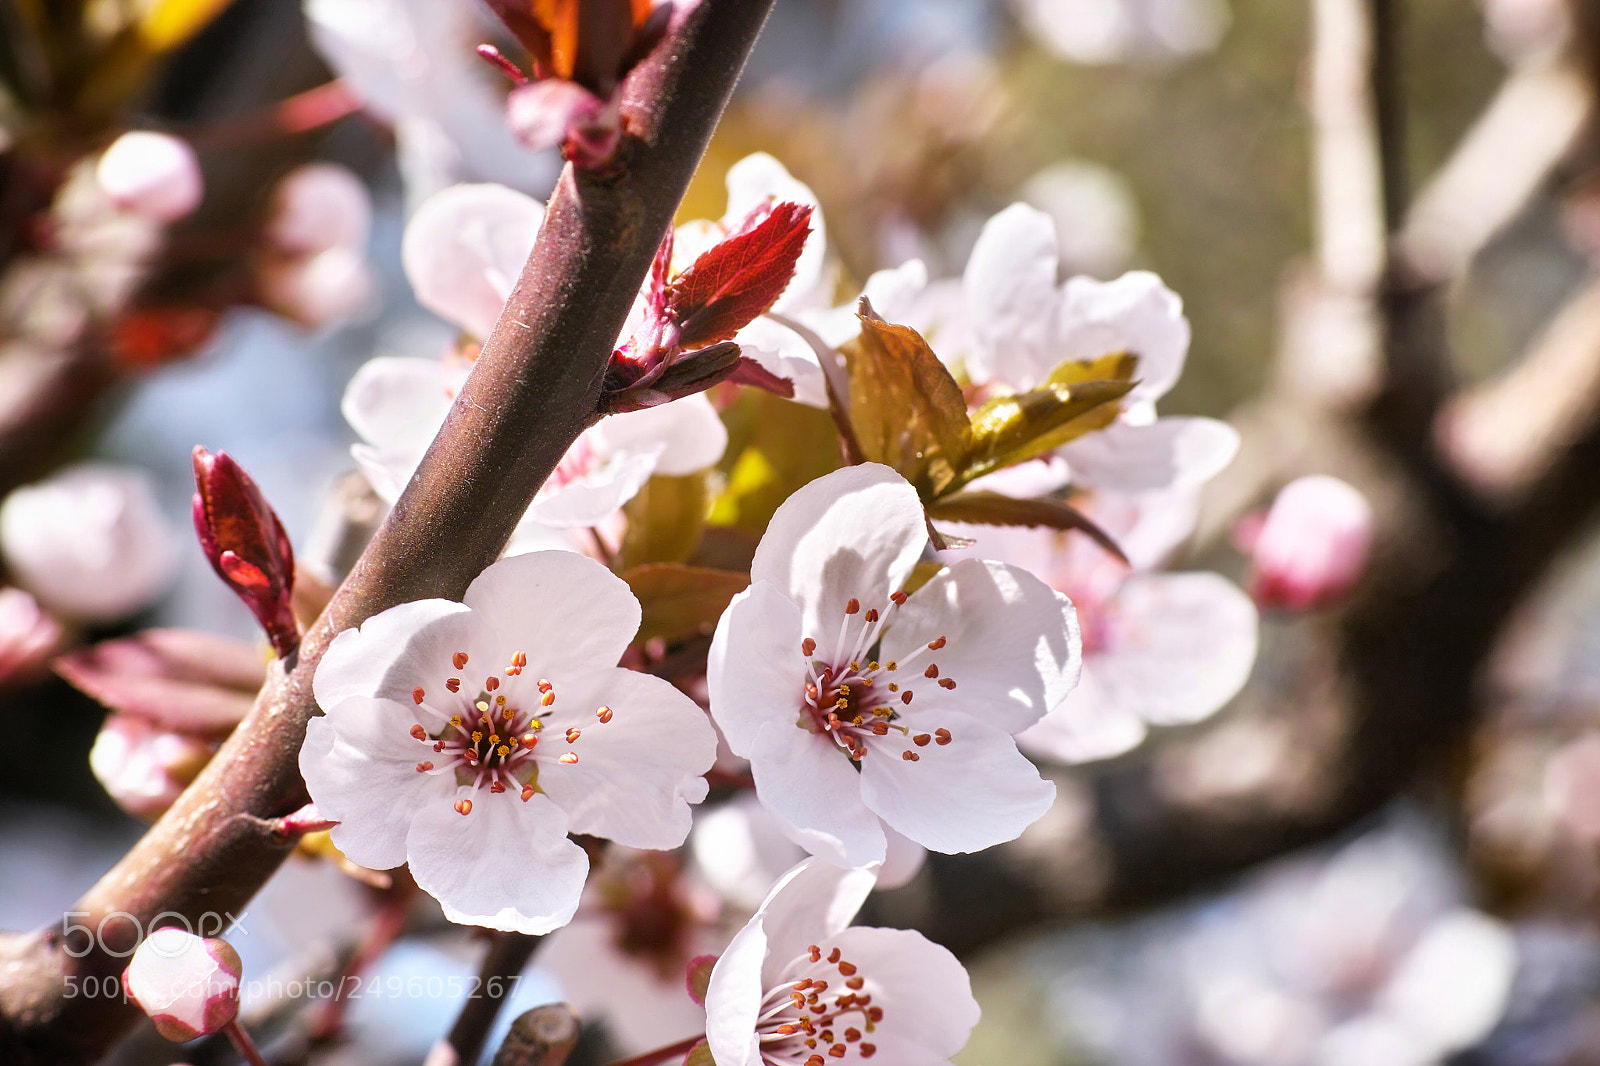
1012 643
1000 793
1176 647
567 612
733 999
637 774
785 353
1169 453
686 433
464 249
359 764
1010 289
399 403
380 658
593 497
755 673
386 470
758 179
813 789
924 992
508 865
854 533
1135 313
1086 727
812 900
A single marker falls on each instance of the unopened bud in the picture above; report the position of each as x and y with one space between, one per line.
151 174
317 207
1312 546
246 544
188 985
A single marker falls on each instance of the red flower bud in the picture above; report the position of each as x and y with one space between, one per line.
246 544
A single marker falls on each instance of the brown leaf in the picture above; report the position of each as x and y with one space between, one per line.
906 409
183 679
993 509
681 601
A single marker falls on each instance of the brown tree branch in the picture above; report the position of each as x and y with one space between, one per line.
532 392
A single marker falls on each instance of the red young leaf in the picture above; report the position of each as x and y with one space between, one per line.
738 279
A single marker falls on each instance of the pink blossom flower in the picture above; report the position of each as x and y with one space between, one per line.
1313 545
1023 325
89 542
800 986
1159 649
841 690
151 174
188 985
145 766
468 739
319 206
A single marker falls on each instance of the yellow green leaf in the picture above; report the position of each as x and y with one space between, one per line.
664 520
168 23
994 509
1118 366
906 409
679 601
1021 426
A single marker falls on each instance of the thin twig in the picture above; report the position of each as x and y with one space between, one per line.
497 978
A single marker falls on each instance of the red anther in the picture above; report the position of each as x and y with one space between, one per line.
802 985
921 740
881 729
529 739
463 807
568 757
417 695
852 1034
827 1036
527 793
459 659
573 735
822 986
815 953
833 956
604 714
547 699
941 736
872 614
868 1050
837 1051
855 982
545 685
491 684
853 606
947 682
807 647
438 745
788 1029
498 787
816 1060
519 660
874 1015
899 598
454 684
797 998
909 756
424 767
905 697
847 968
931 671
936 644
419 732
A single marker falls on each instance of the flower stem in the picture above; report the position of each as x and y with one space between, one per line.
243 1044
682 1047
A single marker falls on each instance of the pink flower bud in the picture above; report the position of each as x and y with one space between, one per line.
144 766
546 113
189 986
1312 546
246 544
28 637
324 289
317 207
151 174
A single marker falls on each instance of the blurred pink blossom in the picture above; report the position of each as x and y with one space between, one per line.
1312 546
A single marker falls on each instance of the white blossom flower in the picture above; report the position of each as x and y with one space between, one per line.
1024 325
468 739
413 64
1158 648
151 174
800 986
89 542
842 691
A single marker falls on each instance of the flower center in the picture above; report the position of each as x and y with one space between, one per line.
854 702
491 740
822 1011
